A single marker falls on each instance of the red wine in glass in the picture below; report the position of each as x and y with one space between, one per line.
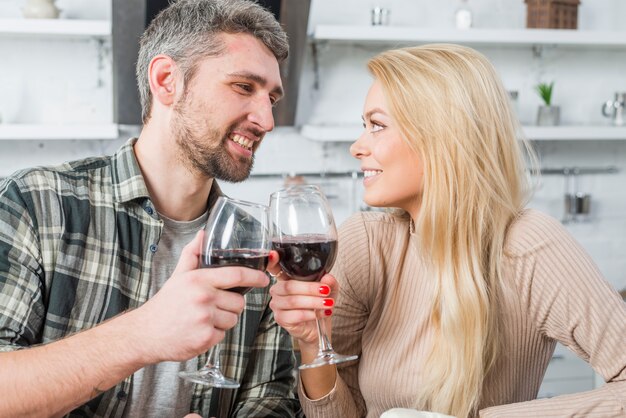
306 257
254 259
305 237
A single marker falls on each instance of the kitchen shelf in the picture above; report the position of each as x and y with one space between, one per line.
349 133
584 132
495 37
41 132
73 28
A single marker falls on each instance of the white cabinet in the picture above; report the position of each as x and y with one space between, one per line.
61 79
395 35
64 28
525 45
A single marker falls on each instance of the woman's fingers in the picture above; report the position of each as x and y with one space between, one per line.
301 302
297 287
272 265
294 318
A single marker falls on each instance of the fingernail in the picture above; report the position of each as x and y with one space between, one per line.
324 290
328 312
328 302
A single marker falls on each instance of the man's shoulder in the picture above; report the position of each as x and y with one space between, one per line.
68 175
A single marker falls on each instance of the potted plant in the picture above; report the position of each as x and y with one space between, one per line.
548 115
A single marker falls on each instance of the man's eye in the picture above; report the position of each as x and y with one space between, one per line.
245 87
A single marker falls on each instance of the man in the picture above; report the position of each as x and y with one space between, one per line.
99 242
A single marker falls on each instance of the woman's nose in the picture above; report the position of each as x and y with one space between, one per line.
359 147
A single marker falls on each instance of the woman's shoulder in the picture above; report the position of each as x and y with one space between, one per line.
531 231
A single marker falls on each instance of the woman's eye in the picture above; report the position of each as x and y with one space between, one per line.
376 127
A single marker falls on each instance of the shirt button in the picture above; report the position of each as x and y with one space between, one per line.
121 395
153 248
149 210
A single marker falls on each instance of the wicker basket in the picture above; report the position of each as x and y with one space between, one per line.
552 14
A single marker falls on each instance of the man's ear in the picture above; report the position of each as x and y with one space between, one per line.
163 77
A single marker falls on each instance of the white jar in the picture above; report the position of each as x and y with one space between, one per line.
40 9
463 16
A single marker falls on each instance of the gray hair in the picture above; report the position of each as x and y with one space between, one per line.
186 32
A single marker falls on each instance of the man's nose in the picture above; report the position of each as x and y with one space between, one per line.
261 114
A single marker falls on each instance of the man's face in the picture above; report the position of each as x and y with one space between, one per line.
226 109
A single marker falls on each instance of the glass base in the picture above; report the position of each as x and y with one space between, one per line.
211 377
327 358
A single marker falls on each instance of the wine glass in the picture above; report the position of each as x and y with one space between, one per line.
236 234
305 237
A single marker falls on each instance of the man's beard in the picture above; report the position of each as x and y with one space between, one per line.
204 149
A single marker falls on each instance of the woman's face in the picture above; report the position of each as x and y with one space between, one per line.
393 172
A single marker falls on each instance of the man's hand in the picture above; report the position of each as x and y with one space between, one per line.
193 309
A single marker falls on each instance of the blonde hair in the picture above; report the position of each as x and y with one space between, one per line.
453 111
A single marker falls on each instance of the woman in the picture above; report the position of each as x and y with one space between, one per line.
455 301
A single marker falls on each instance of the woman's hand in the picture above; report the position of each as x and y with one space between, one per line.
296 303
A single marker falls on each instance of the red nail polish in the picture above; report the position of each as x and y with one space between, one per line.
329 302
324 290
328 312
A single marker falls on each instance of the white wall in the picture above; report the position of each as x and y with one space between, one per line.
61 81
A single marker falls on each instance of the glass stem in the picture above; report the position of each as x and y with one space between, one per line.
324 343
213 361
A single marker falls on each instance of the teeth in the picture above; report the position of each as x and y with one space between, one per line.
243 141
370 173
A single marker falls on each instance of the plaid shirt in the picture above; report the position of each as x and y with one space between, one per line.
76 246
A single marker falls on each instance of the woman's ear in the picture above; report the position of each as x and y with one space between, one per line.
162 75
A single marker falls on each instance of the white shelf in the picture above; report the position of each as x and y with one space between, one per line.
584 132
349 133
56 27
502 37
58 132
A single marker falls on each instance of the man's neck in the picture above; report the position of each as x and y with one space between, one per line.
175 191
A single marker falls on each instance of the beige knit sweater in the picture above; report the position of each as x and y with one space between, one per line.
558 295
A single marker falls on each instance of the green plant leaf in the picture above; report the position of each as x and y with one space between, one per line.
545 92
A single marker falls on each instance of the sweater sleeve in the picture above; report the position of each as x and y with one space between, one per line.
569 301
352 270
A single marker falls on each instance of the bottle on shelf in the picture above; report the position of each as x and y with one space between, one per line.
463 18
40 9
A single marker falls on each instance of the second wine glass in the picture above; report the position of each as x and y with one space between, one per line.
236 234
305 237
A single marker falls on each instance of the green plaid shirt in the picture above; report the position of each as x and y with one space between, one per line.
76 246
